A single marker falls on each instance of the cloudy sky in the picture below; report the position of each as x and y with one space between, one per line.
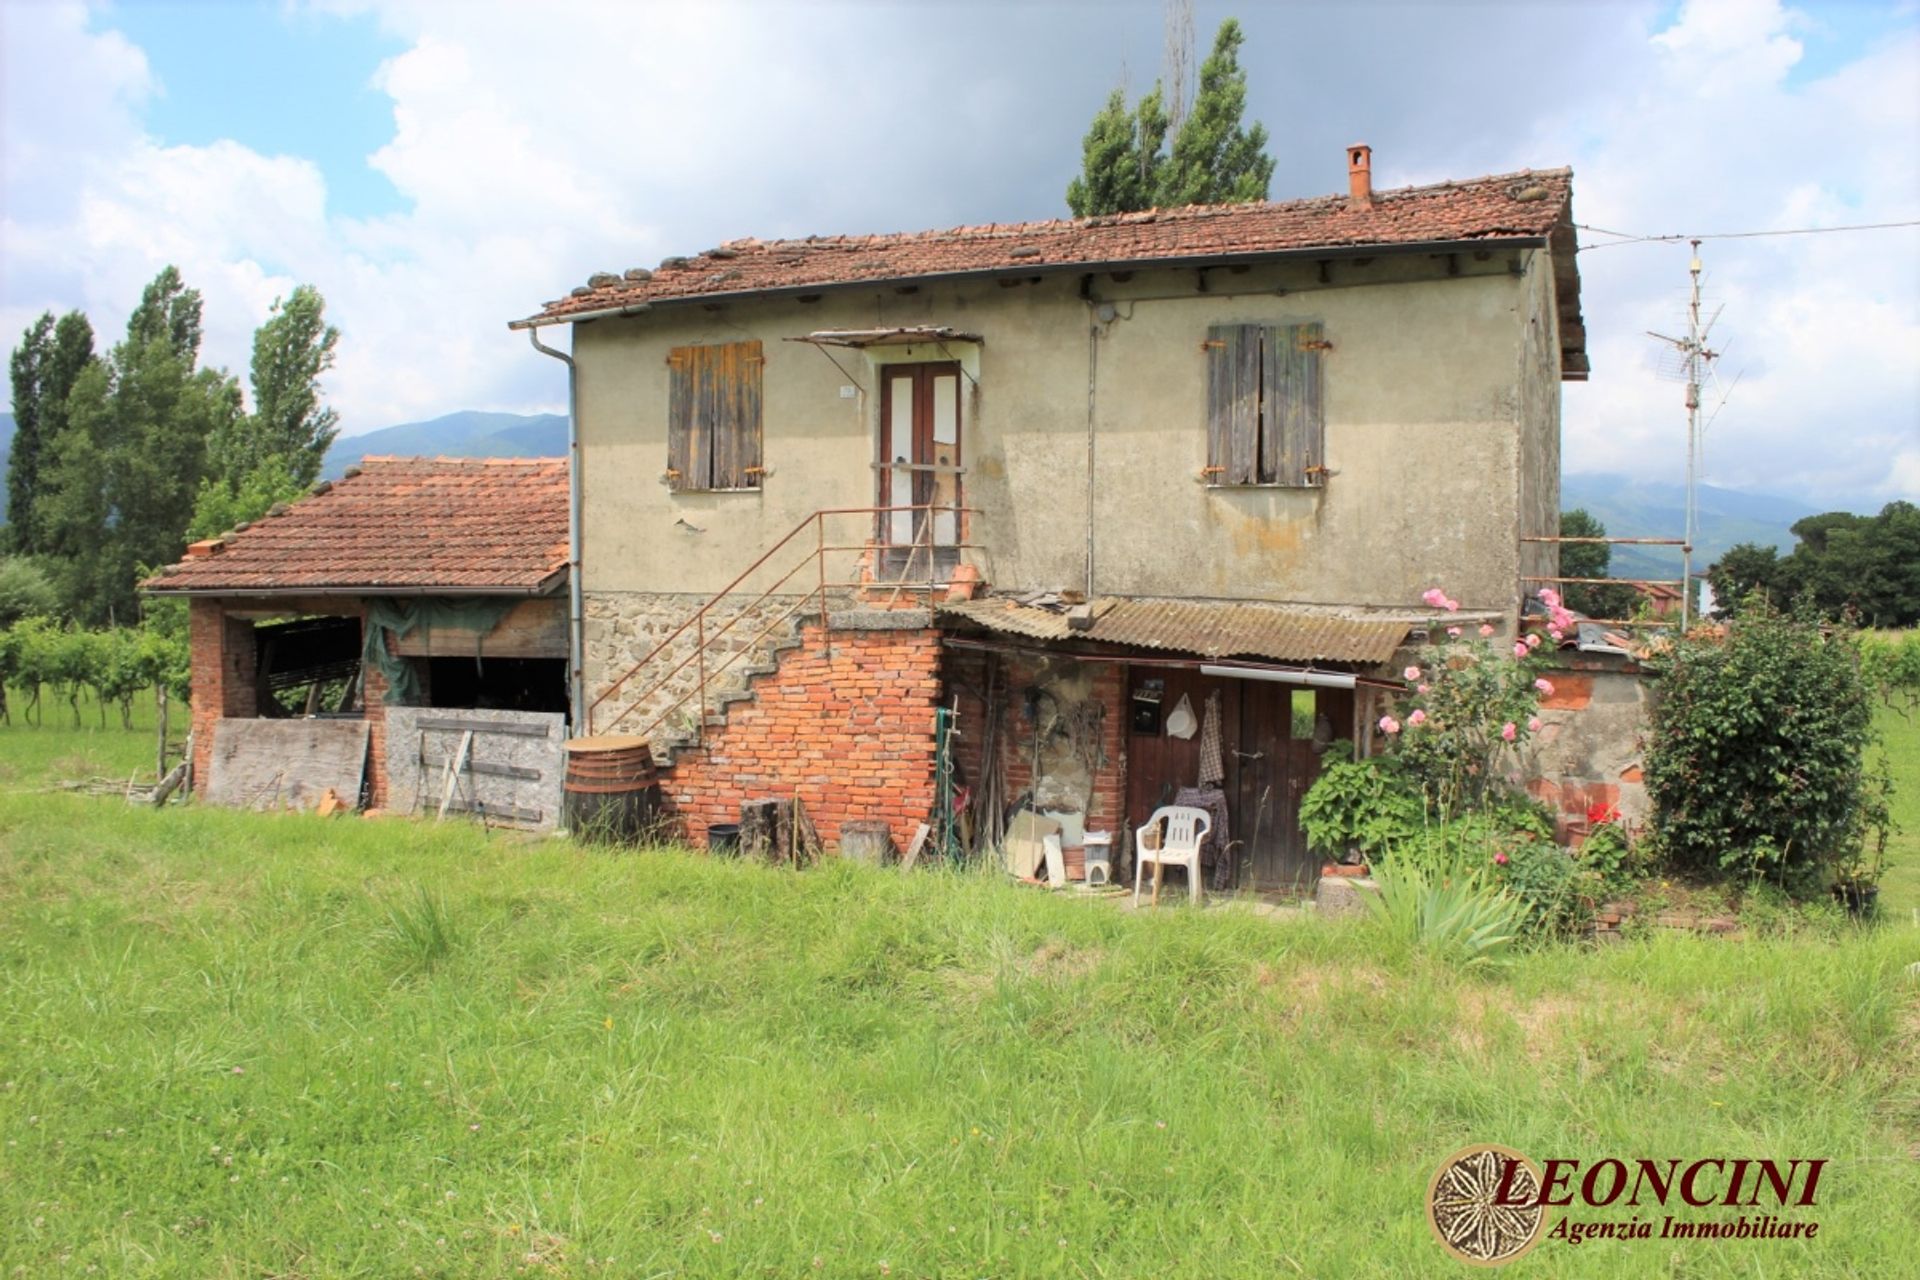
439 167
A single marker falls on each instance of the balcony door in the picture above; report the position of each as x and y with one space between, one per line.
919 465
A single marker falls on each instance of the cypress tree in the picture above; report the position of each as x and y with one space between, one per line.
1216 159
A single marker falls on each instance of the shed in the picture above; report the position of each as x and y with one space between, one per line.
431 583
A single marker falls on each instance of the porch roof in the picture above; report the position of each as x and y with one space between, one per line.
1209 628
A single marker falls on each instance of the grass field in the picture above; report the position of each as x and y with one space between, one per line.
277 1046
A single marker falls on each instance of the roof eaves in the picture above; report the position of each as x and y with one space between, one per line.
1374 249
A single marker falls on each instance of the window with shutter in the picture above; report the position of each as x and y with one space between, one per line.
1265 419
713 416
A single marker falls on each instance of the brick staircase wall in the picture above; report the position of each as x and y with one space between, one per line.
845 720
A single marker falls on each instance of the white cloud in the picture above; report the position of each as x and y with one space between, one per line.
1715 135
534 144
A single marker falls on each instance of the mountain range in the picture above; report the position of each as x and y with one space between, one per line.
1628 507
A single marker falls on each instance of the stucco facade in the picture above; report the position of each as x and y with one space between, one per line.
1441 436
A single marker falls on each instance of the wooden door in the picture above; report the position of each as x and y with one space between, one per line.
920 438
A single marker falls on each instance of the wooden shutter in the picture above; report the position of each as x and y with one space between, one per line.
713 416
1233 403
682 376
1292 412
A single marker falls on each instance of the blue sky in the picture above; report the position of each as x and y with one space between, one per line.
437 168
279 79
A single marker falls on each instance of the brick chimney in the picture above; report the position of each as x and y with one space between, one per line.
1360 176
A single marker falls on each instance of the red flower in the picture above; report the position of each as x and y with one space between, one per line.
1602 813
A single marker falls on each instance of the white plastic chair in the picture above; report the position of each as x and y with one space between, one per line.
1174 844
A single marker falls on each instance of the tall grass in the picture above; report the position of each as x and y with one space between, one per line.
246 1045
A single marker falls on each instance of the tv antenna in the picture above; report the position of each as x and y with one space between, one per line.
1690 361
1179 62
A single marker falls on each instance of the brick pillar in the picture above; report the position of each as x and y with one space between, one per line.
373 694
224 672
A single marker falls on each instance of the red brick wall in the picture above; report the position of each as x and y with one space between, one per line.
223 672
850 729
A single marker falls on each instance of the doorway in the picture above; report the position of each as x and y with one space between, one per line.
1273 737
919 466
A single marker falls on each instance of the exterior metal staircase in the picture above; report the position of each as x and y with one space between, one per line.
684 687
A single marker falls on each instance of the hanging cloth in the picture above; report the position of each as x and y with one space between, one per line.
1212 767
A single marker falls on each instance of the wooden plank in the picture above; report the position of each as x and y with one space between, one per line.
700 425
456 725
912 855
1243 418
1278 460
680 376
273 764
748 449
453 773
1219 401
489 768
531 629
725 422
513 813
1296 403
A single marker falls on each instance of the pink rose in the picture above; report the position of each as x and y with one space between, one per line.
1554 632
1453 633
1420 688
1418 717
1521 651
1545 686
1411 673
1486 629
1433 596
1549 597
1508 731
1389 725
1451 606
1533 724
1533 640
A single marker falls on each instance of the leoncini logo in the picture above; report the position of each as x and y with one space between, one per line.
1488 1204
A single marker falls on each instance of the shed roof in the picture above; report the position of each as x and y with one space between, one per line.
1209 628
398 526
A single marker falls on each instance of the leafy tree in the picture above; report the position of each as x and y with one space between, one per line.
1746 571
44 368
290 352
220 506
25 590
126 465
1865 565
1755 763
1214 158
1591 560
1120 157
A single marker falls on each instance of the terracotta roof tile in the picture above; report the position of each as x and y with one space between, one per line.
407 524
1527 204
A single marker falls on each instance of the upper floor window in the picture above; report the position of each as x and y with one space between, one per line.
713 416
1266 417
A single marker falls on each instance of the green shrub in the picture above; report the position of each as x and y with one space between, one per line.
25 590
1755 760
1364 805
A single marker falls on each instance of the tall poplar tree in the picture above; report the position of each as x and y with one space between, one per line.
44 368
127 463
1214 158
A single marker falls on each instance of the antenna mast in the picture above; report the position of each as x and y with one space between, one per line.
1694 360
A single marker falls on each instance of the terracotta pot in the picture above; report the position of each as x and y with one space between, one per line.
1354 871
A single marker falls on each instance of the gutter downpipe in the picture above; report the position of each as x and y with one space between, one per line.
576 611
1093 369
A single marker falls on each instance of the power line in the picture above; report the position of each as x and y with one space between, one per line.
1626 238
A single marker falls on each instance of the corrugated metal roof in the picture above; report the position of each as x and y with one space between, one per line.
1211 629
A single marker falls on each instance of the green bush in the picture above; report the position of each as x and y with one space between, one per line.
1364 805
1755 760
25 590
